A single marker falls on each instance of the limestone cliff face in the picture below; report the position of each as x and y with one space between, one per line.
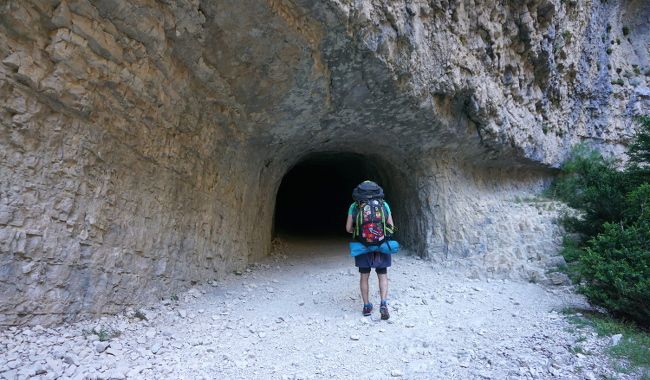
142 143
532 78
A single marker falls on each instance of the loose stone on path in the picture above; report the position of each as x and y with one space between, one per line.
281 336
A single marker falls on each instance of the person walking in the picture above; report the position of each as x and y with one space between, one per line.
370 222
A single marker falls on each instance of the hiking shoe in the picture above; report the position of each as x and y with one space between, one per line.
383 310
367 309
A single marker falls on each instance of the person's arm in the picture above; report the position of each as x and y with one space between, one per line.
348 224
389 218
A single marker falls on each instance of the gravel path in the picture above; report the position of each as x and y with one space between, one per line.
299 317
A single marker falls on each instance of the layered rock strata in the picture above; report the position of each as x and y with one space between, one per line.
142 143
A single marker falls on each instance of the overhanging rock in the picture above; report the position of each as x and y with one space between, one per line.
141 139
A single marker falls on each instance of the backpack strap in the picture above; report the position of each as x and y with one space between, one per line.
357 221
388 231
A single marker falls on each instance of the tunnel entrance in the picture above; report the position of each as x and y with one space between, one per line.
314 196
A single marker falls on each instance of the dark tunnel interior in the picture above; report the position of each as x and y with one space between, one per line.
314 196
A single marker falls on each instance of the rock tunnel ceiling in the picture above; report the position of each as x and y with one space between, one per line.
141 139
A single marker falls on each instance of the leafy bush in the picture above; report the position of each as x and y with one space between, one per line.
593 186
639 152
608 249
615 265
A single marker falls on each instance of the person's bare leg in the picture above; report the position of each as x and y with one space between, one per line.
383 293
383 286
363 284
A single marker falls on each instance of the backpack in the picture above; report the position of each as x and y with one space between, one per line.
370 215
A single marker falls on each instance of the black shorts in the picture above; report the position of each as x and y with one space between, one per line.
377 260
378 270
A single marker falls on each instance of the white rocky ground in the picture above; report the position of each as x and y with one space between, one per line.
298 316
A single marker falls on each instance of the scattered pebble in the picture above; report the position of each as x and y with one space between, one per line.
232 335
101 346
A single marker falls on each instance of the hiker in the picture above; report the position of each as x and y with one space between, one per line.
371 223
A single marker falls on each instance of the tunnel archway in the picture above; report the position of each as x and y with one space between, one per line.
314 195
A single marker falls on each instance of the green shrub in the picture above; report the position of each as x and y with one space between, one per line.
608 249
638 205
593 186
639 152
616 268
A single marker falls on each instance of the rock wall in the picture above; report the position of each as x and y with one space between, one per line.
121 177
143 142
533 77
490 221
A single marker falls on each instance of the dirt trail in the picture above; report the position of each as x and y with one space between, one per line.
299 316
